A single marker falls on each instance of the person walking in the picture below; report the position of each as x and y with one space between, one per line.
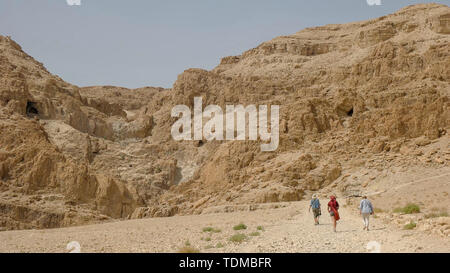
315 206
333 207
365 210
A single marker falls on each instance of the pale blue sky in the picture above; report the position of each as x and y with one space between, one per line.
138 43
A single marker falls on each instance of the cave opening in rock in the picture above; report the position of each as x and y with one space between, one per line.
31 109
198 143
350 112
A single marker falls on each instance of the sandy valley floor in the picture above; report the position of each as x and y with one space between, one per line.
286 229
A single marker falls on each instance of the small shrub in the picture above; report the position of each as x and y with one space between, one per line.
261 228
431 215
378 210
187 243
436 215
256 233
411 225
408 209
238 238
208 239
240 227
211 229
209 246
188 249
411 208
219 245
397 210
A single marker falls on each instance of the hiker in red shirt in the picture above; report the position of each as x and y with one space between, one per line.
333 207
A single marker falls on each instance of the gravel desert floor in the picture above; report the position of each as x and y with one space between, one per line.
289 228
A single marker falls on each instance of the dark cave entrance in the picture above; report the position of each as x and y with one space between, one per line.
350 112
32 111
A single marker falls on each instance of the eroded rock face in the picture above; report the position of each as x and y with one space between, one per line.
441 23
348 95
32 166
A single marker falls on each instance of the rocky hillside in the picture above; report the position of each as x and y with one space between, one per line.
360 98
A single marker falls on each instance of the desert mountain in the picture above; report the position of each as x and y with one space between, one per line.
358 102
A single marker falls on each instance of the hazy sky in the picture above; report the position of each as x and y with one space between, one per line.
136 43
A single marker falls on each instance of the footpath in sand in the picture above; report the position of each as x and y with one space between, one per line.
286 229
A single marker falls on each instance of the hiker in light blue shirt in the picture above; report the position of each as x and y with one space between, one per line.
315 205
365 210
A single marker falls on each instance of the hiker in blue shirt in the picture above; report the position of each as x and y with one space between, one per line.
365 210
315 205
